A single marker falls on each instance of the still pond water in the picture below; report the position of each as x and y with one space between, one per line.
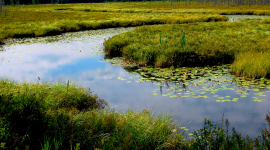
79 57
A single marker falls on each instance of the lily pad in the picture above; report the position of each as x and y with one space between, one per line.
258 100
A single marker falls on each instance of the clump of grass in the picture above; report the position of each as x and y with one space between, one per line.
65 116
25 108
54 96
252 64
213 136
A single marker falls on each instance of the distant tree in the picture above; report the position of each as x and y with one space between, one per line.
1 7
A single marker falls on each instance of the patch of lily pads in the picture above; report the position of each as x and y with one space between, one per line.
120 61
203 83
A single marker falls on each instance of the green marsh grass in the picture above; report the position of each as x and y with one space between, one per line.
24 21
252 64
65 116
204 44
51 19
43 20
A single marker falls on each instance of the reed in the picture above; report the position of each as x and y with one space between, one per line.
252 64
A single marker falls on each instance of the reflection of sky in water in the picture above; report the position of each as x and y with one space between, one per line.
239 17
77 60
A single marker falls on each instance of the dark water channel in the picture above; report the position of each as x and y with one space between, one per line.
78 57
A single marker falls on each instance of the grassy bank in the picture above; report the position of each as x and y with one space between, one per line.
252 64
39 115
63 116
196 44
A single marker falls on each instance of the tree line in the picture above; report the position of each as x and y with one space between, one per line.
188 2
28 2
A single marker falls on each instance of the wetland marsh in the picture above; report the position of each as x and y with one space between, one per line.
189 94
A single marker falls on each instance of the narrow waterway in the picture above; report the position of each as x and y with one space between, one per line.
79 57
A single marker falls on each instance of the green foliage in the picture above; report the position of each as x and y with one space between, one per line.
25 108
65 117
198 44
41 20
252 64
216 137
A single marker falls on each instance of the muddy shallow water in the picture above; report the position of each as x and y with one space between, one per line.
79 57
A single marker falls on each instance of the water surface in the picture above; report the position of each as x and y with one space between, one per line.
239 17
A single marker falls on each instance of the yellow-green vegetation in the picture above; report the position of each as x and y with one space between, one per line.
252 64
194 44
42 20
37 115
52 19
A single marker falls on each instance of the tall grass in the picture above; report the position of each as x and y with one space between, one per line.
190 45
213 136
252 64
57 115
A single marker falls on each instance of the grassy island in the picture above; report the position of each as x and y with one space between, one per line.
244 43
